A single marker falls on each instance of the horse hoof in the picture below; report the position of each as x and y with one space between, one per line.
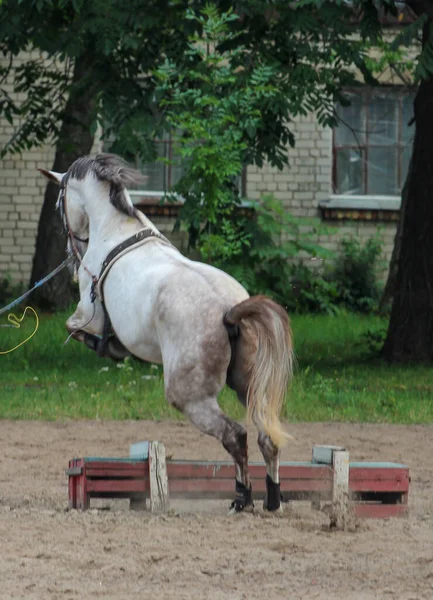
276 510
236 509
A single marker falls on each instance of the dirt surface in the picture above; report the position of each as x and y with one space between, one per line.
198 551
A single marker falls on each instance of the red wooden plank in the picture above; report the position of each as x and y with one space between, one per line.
83 498
322 473
185 470
122 473
378 485
223 485
215 470
117 485
380 511
358 473
116 465
72 488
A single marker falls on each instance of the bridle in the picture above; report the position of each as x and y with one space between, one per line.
73 238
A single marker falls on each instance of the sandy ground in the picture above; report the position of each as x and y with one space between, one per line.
198 551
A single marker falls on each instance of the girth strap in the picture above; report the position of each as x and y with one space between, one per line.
131 241
115 253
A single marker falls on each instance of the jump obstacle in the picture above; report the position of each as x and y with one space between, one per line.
375 490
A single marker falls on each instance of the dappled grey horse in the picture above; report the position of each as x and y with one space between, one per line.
196 320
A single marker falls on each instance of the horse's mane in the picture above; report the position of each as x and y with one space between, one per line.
112 169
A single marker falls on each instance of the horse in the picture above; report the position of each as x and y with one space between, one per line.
161 307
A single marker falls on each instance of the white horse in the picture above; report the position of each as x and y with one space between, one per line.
196 320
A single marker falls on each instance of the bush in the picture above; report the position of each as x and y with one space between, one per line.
263 253
355 274
8 290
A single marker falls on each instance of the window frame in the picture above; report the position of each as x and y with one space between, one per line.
140 193
366 92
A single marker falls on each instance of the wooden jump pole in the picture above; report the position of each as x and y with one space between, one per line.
377 490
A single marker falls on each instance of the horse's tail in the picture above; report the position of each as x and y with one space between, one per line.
266 337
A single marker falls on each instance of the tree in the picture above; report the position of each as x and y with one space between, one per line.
98 63
101 56
410 331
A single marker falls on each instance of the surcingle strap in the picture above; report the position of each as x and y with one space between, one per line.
135 240
106 332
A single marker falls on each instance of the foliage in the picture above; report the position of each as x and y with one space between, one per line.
8 290
232 100
119 48
316 293
217 109
307 45
373 340
355 273
263 251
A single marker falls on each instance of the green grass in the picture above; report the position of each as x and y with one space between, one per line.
337 378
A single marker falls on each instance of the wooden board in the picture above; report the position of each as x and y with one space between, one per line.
379 490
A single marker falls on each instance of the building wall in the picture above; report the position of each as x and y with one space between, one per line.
307 180
21 195
301 186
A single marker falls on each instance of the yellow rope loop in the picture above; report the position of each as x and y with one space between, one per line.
16 322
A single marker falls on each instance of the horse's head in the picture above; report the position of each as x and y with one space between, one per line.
91 187
74 217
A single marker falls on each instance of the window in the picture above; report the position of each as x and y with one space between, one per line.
162 175
373 142
166 170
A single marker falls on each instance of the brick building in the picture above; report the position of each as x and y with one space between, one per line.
351 177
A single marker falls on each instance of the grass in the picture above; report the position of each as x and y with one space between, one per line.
337 378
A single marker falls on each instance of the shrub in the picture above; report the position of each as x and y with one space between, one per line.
263 251
8 290
355 273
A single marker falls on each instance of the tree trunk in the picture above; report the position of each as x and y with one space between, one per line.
410 332
75 140
391 282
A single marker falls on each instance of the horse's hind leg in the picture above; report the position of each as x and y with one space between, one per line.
207 416
271 454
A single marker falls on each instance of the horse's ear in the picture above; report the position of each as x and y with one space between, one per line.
56 177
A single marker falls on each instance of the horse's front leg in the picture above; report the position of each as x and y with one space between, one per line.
206 414
88 319
86 325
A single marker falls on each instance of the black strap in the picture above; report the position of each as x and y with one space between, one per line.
106 331
131 241
134 239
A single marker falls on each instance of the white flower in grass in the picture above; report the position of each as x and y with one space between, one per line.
154 367
120 365
104 369
72 385
149 377
35 378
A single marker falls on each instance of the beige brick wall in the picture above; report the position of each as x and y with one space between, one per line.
21 195
300 186
307 180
